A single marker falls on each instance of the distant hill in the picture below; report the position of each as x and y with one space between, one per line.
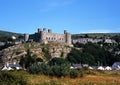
95 35
6 33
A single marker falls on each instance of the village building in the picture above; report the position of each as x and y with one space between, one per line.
87 40
116 66
12 66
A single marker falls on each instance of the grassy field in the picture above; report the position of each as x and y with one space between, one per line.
87 80
90 78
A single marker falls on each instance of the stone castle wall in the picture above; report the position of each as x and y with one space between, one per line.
44 36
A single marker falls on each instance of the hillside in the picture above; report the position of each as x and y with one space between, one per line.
5 35
95 35
45 52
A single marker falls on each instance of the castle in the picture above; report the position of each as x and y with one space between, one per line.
45 37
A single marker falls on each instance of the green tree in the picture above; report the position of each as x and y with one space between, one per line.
57 61
87 59
74 56
28 59
59 70
39 60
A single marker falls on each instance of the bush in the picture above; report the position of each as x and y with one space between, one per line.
39 69
28 59
57 61
46 53
81 73
73 74
55 67
59 71
34 68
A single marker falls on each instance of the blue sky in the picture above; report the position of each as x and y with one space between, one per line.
76 16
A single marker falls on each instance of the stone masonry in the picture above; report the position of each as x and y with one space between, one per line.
44 36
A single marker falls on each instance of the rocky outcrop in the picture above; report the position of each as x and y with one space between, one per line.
59 51
15 52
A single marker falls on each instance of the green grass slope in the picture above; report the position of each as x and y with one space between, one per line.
6 33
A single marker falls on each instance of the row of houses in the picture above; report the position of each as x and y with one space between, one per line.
11 66
86 40
115 66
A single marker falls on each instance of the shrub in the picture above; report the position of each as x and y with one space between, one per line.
39 69
57 61
46 53
81 73
28 59
73 74
34 68
59 71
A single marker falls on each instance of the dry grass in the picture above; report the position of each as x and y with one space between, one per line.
86 80
100 78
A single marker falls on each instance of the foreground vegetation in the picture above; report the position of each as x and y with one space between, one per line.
91 77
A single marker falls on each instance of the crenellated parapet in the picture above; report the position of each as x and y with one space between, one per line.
44 36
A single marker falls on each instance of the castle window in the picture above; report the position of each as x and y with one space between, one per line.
54 38
49 38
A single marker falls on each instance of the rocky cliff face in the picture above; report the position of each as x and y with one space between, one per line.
14 53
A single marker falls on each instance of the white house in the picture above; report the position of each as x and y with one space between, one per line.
100 68
6 68
90 67
12 66
108 68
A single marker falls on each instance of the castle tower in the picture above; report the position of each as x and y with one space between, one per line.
44 29
65 31
43 35
68 38
26 37
39 30
49 31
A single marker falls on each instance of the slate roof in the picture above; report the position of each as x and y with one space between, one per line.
14 65
77 65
